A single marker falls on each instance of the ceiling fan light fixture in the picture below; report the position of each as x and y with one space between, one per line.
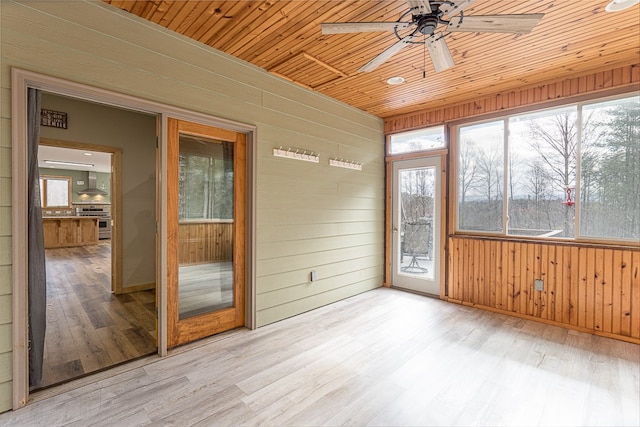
395 80
618 5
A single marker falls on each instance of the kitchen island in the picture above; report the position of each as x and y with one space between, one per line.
67 231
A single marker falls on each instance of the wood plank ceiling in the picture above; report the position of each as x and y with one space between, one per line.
284 37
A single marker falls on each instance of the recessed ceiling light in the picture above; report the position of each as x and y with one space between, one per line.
618 5
395 80
88 154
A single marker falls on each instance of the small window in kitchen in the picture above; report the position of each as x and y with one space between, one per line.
55 191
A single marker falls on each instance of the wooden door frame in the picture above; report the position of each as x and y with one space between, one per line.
443 154
206 324
21 80
115 197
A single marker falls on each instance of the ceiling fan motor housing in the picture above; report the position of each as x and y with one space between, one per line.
427 24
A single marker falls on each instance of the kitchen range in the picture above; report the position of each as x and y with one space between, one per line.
104 222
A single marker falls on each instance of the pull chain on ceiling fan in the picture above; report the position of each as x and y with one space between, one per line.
420 23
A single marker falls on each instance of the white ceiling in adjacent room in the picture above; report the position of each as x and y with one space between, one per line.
76 159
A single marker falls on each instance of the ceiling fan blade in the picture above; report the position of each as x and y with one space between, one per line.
360 27
386 54
420 7
521 24
439 52
455 8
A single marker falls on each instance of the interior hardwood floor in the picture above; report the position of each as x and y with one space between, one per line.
384 357
88 327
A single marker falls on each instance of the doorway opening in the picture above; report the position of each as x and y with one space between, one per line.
89 328
416 224
155 219
94 318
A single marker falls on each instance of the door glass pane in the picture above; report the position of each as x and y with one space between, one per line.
417 212
206 212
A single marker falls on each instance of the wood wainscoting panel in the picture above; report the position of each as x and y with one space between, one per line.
205 242
586 287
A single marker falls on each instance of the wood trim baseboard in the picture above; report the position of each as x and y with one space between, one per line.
546 321
137 288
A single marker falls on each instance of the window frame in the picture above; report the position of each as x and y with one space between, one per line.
43 181
504 116
454 159
421 152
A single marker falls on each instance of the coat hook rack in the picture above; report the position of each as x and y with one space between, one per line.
347 164
297 154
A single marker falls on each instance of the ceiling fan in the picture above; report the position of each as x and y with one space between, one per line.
418 26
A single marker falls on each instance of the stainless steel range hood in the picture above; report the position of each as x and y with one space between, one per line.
92 190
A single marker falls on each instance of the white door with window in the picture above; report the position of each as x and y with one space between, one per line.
416 225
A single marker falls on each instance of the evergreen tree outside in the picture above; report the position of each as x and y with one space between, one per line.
611 173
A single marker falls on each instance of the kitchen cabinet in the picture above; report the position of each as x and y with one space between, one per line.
66 231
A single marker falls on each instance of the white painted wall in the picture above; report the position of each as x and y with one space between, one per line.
309 216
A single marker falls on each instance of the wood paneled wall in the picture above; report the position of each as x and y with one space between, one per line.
590 288
593 288
610 79
203 242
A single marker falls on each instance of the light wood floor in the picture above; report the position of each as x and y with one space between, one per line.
88 327
204 288
381 358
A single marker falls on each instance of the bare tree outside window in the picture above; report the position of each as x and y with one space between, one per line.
417 186
545 149
418 140
547 143
480 177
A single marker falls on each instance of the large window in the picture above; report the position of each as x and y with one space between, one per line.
567 172
542 173
55 191
610 173
481 176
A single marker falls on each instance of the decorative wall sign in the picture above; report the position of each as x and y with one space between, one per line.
55 119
